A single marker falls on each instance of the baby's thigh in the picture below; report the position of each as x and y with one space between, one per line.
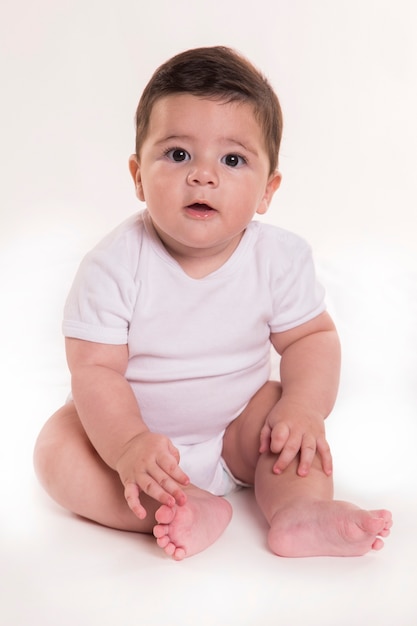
61 437
242 436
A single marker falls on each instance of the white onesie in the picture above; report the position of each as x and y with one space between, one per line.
199 349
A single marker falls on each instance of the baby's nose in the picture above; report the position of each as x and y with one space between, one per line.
202 174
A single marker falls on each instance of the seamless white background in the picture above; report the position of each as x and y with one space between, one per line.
345 71
71 74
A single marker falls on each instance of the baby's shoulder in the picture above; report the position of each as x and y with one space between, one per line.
121 245
130 231
274 240
116 256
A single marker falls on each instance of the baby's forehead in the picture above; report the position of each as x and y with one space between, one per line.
185 117
187 107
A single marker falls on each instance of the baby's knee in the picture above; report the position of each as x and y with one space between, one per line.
44 455
53 441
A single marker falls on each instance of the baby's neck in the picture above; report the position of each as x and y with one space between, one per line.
200 267
198 263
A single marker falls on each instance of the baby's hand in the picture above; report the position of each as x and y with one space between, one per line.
150 463
295 432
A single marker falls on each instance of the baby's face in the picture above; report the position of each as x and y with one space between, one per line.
203 173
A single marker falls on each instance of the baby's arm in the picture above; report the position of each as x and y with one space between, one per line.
111 417
310 367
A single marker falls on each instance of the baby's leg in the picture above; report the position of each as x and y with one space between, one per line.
305 520
303 517
76 477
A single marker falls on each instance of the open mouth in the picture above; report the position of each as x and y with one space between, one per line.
200 209
200 206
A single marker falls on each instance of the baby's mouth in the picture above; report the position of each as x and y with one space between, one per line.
200 206
200 209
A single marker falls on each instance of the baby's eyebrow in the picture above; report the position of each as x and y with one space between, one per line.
170 138
246 146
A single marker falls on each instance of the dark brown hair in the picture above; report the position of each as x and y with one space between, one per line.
220 73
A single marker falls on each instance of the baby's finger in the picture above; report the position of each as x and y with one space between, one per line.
264 439
307 454
174 451
172 487
287 456
169 464
323 449
132 499
160 486
155 489
180 476
279 437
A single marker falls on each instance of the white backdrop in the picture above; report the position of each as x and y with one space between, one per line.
345 71
72 72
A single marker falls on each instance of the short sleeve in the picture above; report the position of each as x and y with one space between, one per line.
297 295
101 301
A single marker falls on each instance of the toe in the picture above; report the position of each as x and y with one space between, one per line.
170 549
383 514
165 514
160 530
179 554
163 541
374 525
378 544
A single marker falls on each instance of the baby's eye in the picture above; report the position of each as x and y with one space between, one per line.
233 160
177 155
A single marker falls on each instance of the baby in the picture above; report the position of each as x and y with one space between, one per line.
169 326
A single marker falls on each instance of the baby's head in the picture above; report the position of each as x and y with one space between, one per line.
221 74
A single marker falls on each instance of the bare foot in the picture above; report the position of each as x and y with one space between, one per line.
184 530
327 528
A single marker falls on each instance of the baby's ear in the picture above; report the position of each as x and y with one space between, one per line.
134 169
272 185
